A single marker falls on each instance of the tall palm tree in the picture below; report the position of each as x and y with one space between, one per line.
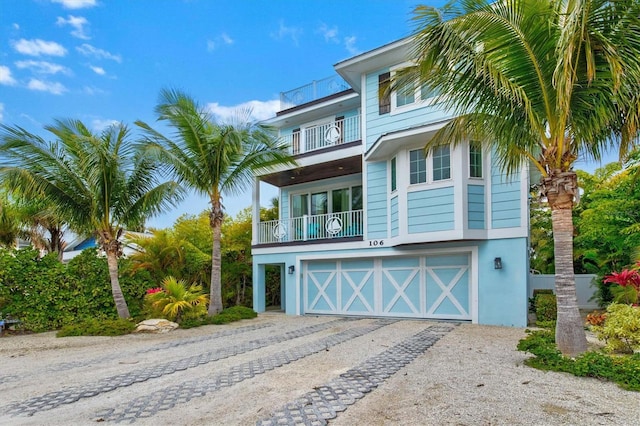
212 159
97 183
542 82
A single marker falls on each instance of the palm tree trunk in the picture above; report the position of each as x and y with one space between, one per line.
570 336
118 297
215 293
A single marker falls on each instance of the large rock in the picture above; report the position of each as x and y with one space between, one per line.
156 326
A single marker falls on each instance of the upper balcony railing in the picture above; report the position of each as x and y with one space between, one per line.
320 136
312 91
311 227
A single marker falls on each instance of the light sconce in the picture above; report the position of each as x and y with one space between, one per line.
497 263
292 269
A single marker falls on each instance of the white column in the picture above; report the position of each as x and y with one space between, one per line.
255 212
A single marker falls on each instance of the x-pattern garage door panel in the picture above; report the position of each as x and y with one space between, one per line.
401 291
321 291
417 287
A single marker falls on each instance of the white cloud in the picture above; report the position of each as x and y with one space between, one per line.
98 70
15 26
222 39
38 47
5 76
350 45
46 86
78 23
91 90
43 67
89 50
329 34
99 125
260 110
75 4
1 112
287 32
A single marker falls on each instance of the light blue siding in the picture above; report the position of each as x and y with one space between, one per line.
378 125
394 217
503 292
475 206
505 200
376 200
430 210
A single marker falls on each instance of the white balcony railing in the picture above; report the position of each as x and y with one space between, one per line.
324 135
311 227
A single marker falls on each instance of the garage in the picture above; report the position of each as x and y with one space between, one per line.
430 286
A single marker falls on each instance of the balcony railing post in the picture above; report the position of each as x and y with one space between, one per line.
305 227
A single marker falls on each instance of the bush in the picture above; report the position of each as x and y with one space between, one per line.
536 292
97 327
174 301
46 294
621 330
623 370
235 313
546 307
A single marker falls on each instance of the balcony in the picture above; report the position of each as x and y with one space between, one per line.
313 91
324 135
330 226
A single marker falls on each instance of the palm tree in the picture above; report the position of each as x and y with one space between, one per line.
97 183
541 82
212 159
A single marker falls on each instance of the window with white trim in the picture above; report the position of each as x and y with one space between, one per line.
475 160
417 166
439 159
442 162
394 180
408 94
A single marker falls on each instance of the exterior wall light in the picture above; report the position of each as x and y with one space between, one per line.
292 269
497 263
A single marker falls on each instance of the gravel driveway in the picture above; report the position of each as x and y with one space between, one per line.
298 370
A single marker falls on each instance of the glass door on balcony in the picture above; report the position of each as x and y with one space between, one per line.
319 209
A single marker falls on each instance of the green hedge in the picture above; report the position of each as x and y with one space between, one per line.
46 294
623 370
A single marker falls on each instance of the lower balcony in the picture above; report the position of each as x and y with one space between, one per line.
330 226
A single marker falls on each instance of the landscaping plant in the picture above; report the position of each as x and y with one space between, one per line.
174 301
621 329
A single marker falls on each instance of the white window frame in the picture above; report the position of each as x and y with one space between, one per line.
482 163
417 96
431 182
329 191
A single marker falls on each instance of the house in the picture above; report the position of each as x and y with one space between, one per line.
78 243
370 225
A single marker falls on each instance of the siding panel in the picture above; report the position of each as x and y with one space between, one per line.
376 200
475 206
430 210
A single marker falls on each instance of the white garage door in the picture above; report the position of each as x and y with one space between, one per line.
437 286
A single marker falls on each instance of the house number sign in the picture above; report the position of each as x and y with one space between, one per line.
376 243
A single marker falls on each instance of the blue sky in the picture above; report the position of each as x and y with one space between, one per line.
103 61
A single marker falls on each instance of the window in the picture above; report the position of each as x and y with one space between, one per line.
332 201
441 162
384 93
394 182
319 203
417 166
406 95
475 160
299 205
356 198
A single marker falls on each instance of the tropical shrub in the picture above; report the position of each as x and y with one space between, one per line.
596 318
628 281
46 294
98 327
623 370
621 330
546 307
175 302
